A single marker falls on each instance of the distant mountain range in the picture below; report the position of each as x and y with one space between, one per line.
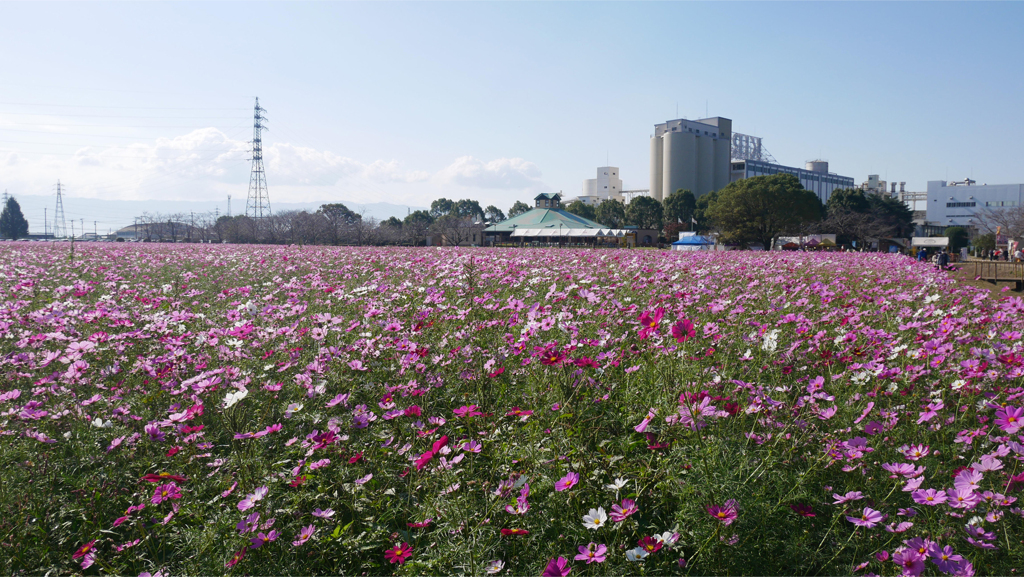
114 214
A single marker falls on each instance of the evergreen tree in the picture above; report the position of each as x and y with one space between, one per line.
12 222
580 208
645 212
518 208
611 213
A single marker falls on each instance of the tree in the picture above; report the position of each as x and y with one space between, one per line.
468 208
645 212
456 230
985 242
12 222
700 210
340 220
417 225
518 208
958 238
679 207
847 199
611 213
580 208
894 213
441 207
1009 221
494 214
761 208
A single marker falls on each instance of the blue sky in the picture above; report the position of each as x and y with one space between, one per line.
407 102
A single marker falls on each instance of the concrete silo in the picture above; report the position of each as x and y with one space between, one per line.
690 155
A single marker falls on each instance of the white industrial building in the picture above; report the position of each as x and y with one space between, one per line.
815 177
607 186
956 203
690 155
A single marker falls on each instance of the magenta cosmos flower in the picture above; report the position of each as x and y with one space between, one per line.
398 553
166 493
557 568
619 514
1010 419
726 513
592 553
567 482
868 519
683 330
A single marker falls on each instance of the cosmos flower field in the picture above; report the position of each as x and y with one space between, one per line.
197 409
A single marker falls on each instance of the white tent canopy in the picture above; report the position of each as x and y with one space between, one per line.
571 232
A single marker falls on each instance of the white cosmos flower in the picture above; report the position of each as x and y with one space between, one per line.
231 398
637 554
495 566
596 519
617 485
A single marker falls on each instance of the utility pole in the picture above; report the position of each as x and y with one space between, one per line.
229 206
135 221
5 197
257 205
60 229
191 225
82 221
45 226
94 233
72 229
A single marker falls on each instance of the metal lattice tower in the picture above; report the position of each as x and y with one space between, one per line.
257 206
746 147
60 228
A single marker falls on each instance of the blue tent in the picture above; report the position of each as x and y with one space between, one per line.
693 242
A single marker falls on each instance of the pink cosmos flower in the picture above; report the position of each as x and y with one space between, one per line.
944 557
262 539
166 493
467 411
910 561
557 568
968 479
851 496
868 519
962 498
929 497
567 482
643 424
1010 419
304 535
592 553
619 514
398 553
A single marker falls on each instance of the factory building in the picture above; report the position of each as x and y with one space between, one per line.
607 186
690 155
956 203
815 177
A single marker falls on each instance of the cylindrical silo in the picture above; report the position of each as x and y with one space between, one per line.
656 166
817 166
678 162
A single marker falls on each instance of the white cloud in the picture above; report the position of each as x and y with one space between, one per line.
207 164
505 173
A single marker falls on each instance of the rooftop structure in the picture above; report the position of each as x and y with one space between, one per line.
814 177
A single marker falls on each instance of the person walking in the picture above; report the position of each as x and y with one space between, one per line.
943 260
922 256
